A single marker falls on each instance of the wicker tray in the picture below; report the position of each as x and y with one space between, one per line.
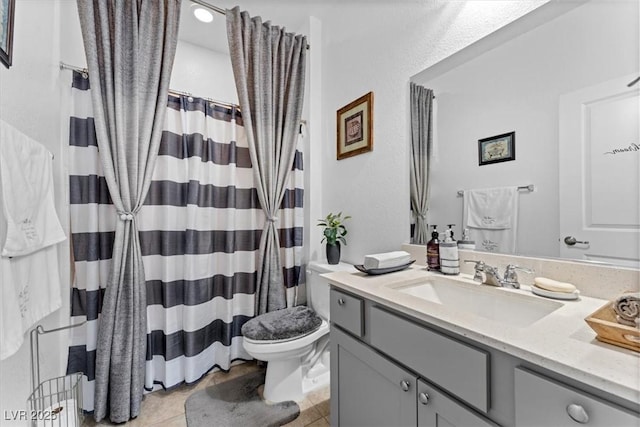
603 321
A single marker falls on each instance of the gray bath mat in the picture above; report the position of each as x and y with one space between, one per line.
236 403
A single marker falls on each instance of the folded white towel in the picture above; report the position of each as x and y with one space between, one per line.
27 190
491 208
491 215
386 260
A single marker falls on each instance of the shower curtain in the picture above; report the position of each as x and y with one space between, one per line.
269 69
200 228
421 103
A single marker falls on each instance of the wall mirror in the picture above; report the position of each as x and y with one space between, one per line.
557 77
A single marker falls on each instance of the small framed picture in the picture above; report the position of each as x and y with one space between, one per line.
7 11
355 127
495 149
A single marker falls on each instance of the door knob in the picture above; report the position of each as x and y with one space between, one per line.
570 240
404 385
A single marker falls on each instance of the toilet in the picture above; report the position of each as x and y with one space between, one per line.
295 341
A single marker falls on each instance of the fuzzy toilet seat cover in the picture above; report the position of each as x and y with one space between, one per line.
285 324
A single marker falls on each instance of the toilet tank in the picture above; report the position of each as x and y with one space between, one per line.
318 287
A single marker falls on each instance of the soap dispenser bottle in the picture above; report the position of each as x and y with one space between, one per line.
466 242
433 251
450 229
449 260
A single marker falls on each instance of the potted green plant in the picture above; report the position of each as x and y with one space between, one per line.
333 233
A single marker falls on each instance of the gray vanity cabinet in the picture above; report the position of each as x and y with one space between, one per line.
436 409
541 401
388 370
368 389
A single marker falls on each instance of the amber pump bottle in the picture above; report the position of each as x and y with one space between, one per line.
433 251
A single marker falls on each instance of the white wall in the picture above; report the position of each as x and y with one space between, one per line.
378 48
516 87
203 73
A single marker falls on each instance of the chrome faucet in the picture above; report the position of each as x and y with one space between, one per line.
492 275
479 269
511 277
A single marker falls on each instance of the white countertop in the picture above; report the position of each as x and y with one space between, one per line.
561 341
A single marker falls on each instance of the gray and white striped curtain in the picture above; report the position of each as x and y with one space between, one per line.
200 229
421 103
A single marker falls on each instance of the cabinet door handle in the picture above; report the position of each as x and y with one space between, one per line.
423 398
577 413
404 385
340 301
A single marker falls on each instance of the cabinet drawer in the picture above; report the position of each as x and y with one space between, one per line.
346 312
543 401
456 367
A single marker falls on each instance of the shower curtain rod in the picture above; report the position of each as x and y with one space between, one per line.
221 103
85 74
219 10
210 6
83 71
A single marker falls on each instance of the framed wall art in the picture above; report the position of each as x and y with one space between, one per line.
495 149
7 12
355 127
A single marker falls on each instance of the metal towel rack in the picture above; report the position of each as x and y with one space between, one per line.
529 187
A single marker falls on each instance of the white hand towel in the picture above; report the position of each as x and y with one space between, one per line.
29 285
491 208
491 215
386 260
27 189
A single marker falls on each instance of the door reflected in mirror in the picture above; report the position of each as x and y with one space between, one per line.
561 85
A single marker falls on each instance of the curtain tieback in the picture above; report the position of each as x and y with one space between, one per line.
422 216
272 218
126 216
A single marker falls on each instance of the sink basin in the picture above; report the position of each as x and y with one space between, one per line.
490 303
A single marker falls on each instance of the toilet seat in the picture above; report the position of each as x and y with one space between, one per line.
276 346
285 324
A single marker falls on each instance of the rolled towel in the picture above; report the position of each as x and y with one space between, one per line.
386 260
627 308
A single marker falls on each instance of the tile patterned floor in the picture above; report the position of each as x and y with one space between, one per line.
166 408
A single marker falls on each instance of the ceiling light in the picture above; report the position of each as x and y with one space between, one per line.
202 14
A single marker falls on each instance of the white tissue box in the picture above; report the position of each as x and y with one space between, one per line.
386 260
